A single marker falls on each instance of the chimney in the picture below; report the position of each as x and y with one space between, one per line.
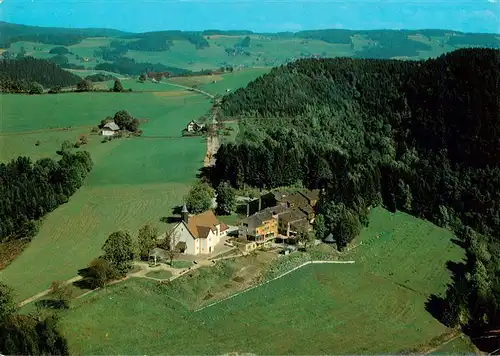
248 209
185 214
260 202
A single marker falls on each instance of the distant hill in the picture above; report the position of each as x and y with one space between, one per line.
18 75
132 53
385 39
10 33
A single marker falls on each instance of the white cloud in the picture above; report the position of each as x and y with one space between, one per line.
493 1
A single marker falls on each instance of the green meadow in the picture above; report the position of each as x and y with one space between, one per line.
134 180
375 305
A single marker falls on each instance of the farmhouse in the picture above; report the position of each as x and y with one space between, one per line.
193 126
198 234
110 129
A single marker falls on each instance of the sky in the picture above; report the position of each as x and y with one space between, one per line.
256 15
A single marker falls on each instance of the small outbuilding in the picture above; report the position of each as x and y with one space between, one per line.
110 129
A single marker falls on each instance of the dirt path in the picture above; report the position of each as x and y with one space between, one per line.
190 89
45 292
441 345
212 148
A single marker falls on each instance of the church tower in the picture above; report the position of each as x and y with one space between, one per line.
185 214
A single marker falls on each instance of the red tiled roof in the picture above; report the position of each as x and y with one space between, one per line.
200 225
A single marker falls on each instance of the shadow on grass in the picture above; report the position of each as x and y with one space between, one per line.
51 304
170 219
87 281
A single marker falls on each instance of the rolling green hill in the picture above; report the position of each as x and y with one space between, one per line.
211 49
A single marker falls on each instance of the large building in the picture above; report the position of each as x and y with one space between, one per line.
288 216
198 234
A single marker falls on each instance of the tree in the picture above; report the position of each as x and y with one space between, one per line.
306 238
226 198
62 292
99 273
66 147
85 85
146 240
125 121
348 227
36 88
119 251
7 304
199 198
320 229
170 244
118 87
143 77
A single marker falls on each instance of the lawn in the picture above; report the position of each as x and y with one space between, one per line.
459 346
134 180
181 264
159 274
376 305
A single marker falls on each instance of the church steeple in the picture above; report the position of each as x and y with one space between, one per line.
185 213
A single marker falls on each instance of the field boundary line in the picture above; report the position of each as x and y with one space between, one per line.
275 278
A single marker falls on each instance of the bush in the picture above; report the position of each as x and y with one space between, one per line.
99 273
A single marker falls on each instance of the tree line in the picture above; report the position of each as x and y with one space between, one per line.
28 191
418 136
19 75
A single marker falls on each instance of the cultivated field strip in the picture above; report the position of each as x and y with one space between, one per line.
271 280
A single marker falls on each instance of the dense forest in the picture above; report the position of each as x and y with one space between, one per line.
129 66
418 136
163 40
10 33
18 75
28 191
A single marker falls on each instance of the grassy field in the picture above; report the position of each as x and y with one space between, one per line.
459 346
373 306
160 274
134 181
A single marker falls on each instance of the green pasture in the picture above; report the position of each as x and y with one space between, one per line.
408 251
233 80
21 113
376 305
134 180
458 346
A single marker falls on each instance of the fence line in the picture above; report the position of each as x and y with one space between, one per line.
271 280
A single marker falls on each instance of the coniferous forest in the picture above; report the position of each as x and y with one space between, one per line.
418 136
28 191
18 75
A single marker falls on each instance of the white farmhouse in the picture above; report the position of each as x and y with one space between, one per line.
199 234
110 129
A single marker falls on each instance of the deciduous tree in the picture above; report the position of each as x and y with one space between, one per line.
62 292
146 240
7 304
119 251
199 198
226 198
